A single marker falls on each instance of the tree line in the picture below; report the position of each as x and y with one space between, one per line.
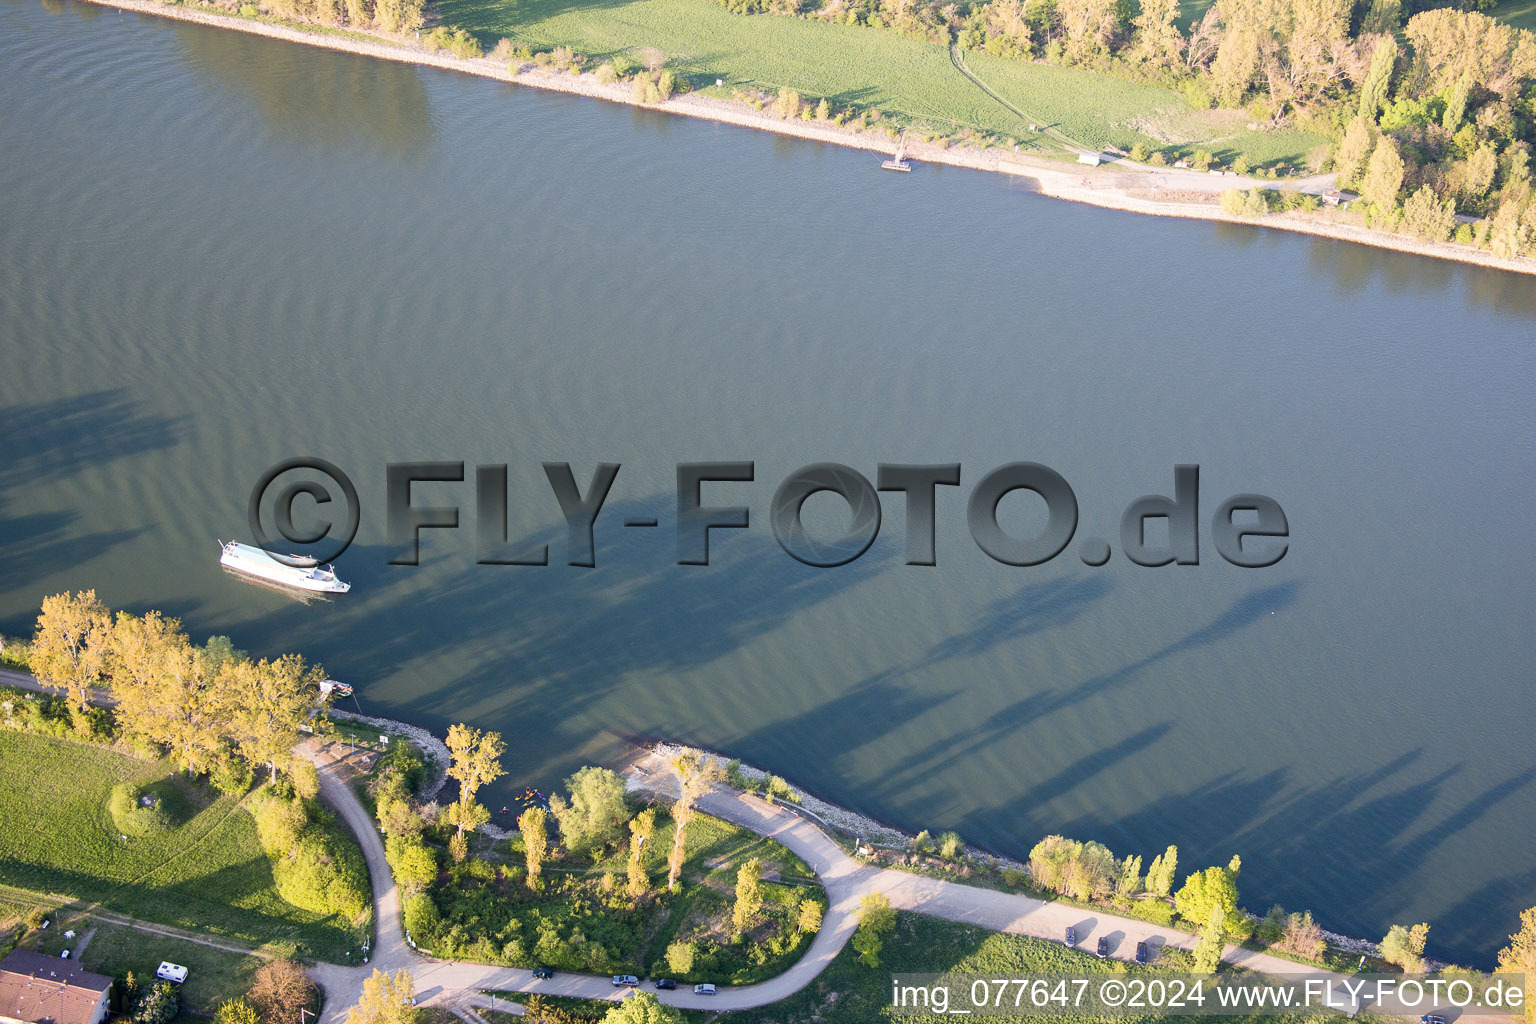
212 709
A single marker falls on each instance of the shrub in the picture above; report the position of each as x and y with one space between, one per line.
421 918
157 1006
455 40
249 11
132 817
680 957
1139 153
606 74
15 653
1302 937
231 775
1240 164
951 846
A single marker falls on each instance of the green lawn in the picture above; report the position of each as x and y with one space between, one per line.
850 993
213 975
208 874
917 81
1519 13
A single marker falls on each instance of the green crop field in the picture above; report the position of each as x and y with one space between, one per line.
208 873
917 81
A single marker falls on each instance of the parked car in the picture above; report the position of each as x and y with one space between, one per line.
704 989
543 972
1430 1018
168 971
1071 936
1103 950
1142 954
620 980
666 984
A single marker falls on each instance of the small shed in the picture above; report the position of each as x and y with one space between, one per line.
1091 159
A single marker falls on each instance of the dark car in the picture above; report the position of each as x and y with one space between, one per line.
1103 950
1071 936
1430 1018
666 984
543 972
1141 952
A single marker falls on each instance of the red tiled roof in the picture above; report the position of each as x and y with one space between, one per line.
48 990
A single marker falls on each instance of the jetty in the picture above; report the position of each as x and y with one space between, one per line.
897 162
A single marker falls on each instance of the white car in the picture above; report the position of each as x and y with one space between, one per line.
168 971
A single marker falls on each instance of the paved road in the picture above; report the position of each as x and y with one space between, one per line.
847 881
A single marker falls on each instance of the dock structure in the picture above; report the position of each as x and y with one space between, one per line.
897 163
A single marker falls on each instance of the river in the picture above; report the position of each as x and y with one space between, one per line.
221 251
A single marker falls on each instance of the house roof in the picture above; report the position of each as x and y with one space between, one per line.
48 990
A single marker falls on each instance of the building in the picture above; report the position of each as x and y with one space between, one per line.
37 989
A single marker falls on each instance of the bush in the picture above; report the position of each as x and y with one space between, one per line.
455 40
421 918
249 11
1139 153
15 653
132 817
157 1006
951 846
314 866
231 775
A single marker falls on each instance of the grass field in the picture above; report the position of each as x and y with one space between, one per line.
213 975
850 993
914 80
208 874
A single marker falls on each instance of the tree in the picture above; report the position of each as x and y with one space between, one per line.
1354 150
595 815
1213 887
266 703
475 758
643 1008
279 990
413 863
1383 18
695 771
1383 175
386 1000
1160 873
1157 32
1373 91
534 826
1128 883
680 957
875 919
69 649
1212 940
749 896
810 917
466 816
1427 217
1519 957
1404 946
162 689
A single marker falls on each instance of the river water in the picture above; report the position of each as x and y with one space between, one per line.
221 251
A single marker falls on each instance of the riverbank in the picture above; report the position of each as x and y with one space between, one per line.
1119 186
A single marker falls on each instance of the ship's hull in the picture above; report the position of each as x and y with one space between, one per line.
263 567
